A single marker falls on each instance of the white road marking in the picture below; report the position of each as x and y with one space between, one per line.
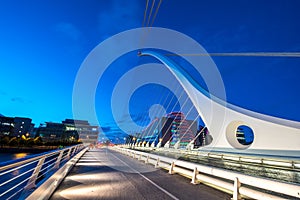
160 188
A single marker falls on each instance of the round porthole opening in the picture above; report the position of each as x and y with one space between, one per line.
239 135
244 135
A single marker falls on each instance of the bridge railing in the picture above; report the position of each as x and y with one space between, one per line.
21 177
240 185
275 162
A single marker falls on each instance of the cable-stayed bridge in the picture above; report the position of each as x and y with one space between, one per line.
265 167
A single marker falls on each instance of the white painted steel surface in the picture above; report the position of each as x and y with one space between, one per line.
223 119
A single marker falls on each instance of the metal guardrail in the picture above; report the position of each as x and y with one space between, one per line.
240 185
19 179
278 162
45 190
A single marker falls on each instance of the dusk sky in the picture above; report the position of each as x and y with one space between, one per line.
43 44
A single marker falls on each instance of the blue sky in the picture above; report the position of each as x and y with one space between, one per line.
43 43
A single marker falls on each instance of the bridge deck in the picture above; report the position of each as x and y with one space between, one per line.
105 174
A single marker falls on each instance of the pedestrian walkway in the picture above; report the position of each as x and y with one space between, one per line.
106 174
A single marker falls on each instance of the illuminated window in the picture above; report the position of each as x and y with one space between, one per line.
70 128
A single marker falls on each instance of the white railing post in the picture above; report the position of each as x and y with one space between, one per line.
58 159
140 157
152 144
158 145
167 145
157 163
194 177
171 170
236 186
177 145
74 151
69 152
34 176
293 164
147 159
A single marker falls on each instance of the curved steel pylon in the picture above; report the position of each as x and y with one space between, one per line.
271 135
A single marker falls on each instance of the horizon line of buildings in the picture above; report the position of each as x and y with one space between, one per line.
69 130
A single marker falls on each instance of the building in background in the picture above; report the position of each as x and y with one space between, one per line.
172 127
182 129
15 126
87 133
158 130
68 131
204 138
52 132
6 126
22 126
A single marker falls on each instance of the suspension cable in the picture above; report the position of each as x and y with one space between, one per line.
160 103
156 11
183 92
178 87
149 17
145 13
182 120
244 54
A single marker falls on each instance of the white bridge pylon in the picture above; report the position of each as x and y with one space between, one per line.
223 119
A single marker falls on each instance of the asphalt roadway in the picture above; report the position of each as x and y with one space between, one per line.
106 174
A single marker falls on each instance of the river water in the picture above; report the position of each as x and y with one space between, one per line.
12 156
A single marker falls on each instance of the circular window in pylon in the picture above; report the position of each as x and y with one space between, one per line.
244 135
239 135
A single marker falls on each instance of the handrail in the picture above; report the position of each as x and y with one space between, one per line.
22 177
46 189
290 163
236 183
3 168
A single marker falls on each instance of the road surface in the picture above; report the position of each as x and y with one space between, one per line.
106 174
